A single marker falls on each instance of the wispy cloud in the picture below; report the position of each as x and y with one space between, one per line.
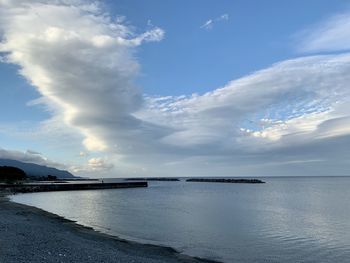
209 24
330 35
223 17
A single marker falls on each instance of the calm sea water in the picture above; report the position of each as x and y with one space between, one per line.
285 220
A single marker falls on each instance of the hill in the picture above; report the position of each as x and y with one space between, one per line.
36 170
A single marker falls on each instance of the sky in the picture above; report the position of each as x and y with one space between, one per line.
176 88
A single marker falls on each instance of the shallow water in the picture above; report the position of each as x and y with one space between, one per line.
285 220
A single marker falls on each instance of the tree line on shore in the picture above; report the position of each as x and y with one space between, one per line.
10 174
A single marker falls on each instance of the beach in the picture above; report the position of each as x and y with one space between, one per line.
286 220
29 234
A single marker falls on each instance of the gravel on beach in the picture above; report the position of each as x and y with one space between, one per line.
28 234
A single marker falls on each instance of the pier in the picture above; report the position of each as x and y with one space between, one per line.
48 187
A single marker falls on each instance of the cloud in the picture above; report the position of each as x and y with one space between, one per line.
223 17
79 59
327 36
83 154
210 23
29 157
33 152
99 164
96 165
82 61
285 106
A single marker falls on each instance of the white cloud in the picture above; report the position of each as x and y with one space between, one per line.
328 36
156 34
223 17
79 60
29 156
83 154
210 23
99 164
281 107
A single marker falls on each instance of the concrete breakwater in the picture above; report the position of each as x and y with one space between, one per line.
226 180
165 179
48 187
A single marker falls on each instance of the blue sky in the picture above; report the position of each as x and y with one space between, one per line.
229 50
185 83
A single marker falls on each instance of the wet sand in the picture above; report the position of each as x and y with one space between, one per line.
29 234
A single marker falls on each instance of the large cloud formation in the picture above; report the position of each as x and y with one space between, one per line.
79 59
289 119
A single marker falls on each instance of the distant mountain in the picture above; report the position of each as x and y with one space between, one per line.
32 169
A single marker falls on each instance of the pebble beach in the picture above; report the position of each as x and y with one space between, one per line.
29 234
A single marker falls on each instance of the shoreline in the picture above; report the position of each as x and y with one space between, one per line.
27 231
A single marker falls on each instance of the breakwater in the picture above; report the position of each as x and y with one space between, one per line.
29 188
165 179
224 180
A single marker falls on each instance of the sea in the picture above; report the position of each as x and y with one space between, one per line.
287 219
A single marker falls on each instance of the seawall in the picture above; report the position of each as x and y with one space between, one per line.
28 188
